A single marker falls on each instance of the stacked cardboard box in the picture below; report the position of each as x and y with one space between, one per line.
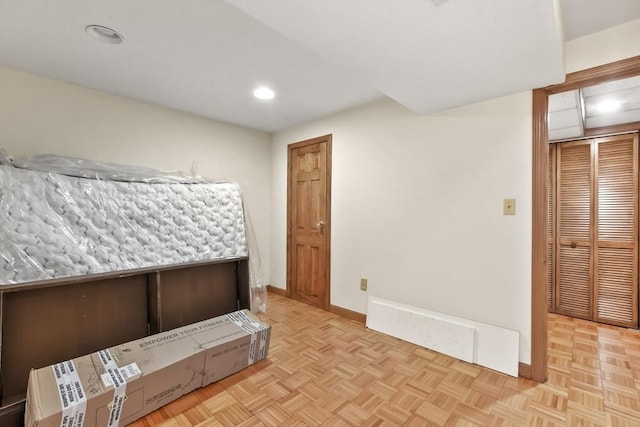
120 384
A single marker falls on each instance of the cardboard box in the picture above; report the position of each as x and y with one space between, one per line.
120 384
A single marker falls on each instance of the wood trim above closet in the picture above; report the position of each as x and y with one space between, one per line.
592 76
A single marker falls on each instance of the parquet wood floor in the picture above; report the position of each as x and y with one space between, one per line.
324 370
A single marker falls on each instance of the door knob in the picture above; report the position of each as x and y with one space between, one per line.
320 224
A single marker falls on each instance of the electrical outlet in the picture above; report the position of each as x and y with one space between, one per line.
363 284
509 206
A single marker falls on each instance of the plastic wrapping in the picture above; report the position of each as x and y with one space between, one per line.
258 285
82 168
56 225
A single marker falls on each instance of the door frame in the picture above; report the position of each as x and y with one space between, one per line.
540 143
327 228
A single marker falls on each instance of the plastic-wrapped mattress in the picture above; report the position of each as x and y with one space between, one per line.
53 225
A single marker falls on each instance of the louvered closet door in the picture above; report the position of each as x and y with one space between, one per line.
616 248
573 239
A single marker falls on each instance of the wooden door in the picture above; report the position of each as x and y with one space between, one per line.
573 240
616 230
309 225
596 225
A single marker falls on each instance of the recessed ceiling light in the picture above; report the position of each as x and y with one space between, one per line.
264 93
104 34
608 106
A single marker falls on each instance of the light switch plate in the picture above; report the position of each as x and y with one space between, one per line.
509 206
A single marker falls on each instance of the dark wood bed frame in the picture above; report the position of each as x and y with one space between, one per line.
45 322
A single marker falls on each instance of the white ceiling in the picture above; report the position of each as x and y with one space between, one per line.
583 17
321 57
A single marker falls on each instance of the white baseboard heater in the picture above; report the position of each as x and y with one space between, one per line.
474 342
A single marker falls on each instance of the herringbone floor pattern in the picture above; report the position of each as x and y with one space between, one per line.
324 370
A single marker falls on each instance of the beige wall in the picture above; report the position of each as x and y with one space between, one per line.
603 47
417 201
417 208
39 115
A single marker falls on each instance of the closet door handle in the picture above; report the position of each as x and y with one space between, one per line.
320 224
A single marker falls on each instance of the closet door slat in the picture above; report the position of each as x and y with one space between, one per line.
574 290
616 191
615 288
